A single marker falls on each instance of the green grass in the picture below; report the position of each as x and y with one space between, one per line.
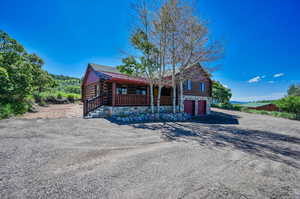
286 115
237 107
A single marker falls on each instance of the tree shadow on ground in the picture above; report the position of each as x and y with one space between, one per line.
270 145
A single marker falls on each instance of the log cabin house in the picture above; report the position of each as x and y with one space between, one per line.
109 92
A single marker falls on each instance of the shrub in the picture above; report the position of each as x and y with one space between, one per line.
289 104
13 108
59 96
72 97
6 111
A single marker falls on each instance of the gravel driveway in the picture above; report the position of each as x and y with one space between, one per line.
228 155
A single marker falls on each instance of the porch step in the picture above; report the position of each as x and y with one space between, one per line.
97 113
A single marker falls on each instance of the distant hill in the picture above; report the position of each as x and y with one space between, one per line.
67 84
260 101
237 102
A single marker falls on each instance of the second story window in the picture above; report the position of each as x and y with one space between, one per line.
202 87
189 84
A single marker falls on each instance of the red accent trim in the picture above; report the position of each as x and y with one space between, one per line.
113 93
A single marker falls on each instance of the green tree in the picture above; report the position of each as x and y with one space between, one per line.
144 65
220 93
21 73
294 90
289 104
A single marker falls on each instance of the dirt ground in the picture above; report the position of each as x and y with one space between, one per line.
56 111
227 155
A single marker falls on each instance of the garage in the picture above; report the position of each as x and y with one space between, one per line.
189 107
202 107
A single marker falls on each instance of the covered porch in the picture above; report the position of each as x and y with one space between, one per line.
124 94
138 95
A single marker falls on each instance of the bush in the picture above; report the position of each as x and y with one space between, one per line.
59 96
289 104
6 111
72 97
13 108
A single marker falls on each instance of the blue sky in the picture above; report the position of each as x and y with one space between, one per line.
261 38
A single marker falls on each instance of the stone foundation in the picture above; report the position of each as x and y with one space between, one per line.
108 111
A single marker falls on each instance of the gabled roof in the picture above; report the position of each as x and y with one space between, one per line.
112 73
102 68
255 105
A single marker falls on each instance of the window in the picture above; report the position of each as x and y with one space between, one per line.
189 84
122 91
202 87
96 90
141 91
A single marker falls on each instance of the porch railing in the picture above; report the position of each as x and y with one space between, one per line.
91 104
164 100
140 100
131 99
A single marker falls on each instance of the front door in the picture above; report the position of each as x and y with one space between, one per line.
189 107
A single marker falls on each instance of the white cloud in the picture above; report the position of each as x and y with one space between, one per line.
225 85
255 79
278 75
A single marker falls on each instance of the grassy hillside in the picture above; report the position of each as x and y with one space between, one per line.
67 88
67 84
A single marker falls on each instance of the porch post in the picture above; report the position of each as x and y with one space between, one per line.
148 96
113 94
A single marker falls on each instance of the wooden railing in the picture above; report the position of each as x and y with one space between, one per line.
164 100
131 100
140 100
91 104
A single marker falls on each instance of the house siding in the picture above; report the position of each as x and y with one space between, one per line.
195 91
89 91
197 75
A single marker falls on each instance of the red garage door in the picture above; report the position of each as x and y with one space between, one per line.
202 107
189 107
